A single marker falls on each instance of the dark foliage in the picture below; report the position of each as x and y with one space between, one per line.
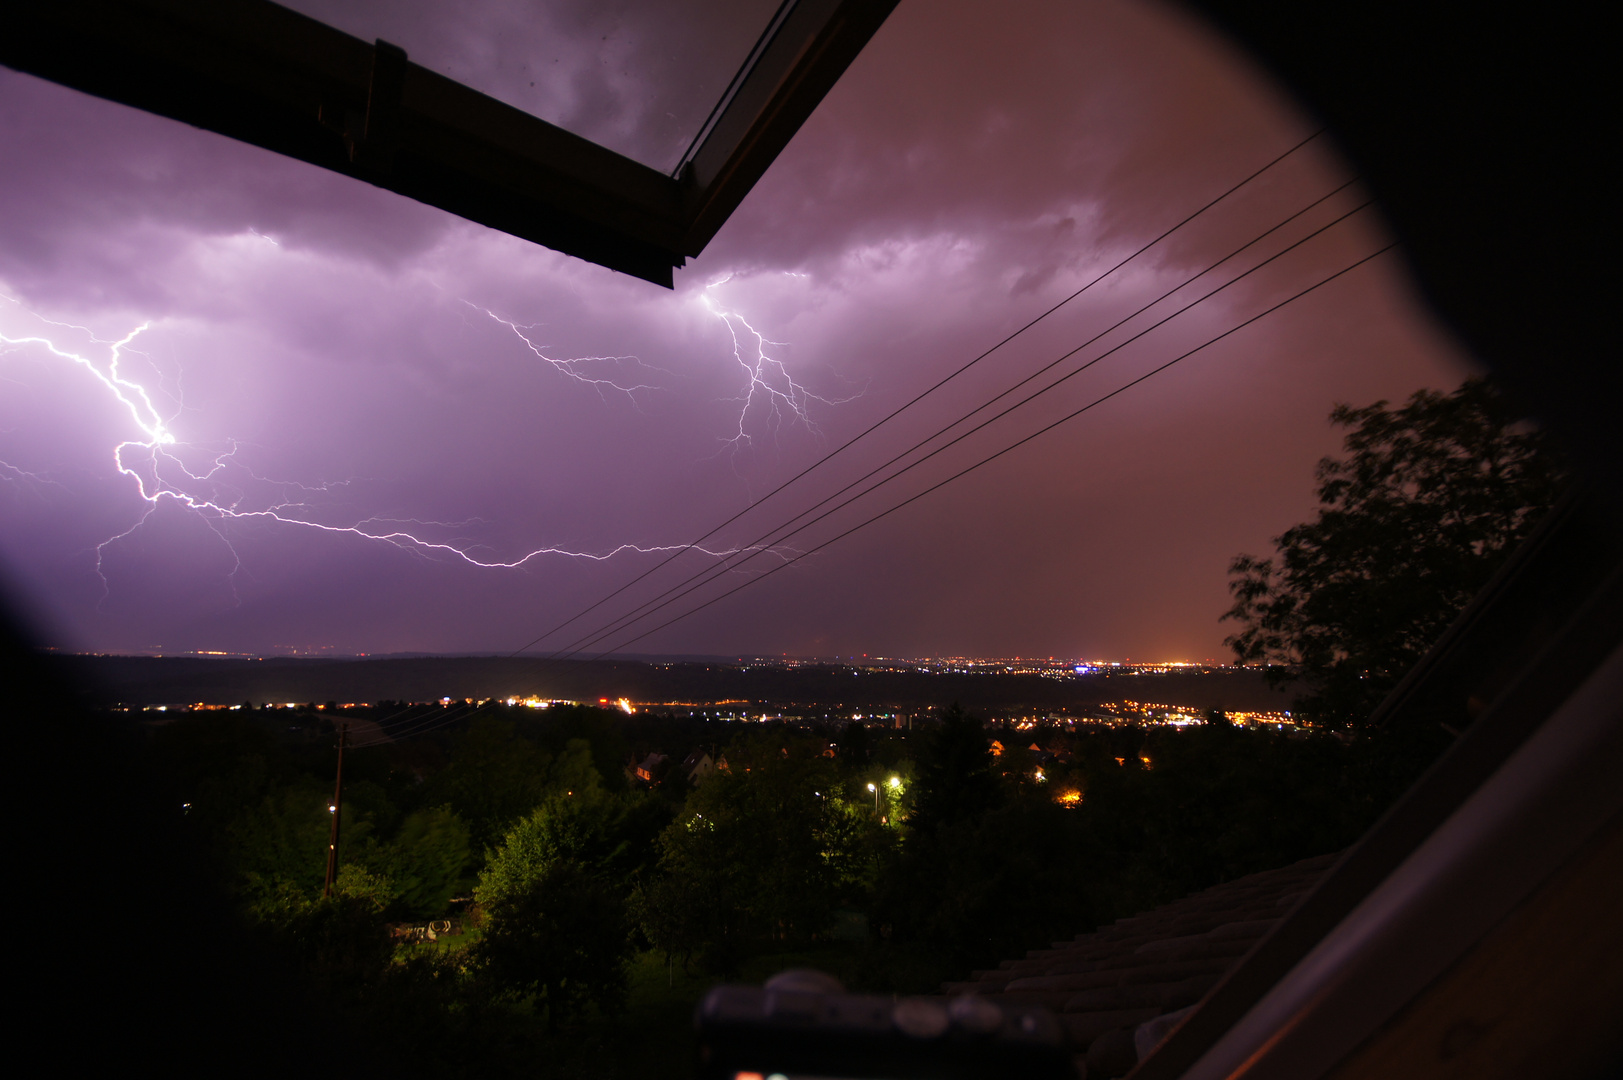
1163 813
1427 502
770 855
955 779
494 777
759 854
342 942
561 938
855 745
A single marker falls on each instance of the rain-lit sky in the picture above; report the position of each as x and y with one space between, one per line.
349 423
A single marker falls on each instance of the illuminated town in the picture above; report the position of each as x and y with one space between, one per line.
1180 708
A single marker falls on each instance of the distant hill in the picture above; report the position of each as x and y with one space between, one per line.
140 680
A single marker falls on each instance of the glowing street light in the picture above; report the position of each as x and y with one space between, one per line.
875 791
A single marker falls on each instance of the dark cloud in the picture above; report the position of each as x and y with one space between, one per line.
107 196
963 121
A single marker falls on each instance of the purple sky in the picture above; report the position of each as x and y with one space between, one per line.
349 361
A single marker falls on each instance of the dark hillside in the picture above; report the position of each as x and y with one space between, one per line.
184 680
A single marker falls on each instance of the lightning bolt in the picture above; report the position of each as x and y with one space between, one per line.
218 488
582 369
770 392
22 478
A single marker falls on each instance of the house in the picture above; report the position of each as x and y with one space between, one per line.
649 769
698 766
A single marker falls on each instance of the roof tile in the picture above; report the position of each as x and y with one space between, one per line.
1151 964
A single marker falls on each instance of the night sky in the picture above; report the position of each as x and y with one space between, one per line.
318 359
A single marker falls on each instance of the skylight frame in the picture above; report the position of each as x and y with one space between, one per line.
273 77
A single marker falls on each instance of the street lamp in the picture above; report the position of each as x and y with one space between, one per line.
875 791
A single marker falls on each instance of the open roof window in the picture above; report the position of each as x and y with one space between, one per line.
638 77
622 133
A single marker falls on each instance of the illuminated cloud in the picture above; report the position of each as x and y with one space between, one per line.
338 355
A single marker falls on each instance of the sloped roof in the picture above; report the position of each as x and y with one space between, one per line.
1146 966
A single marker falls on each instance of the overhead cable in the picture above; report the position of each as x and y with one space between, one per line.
710 573
917 398
434 723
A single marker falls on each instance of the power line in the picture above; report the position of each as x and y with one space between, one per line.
633 617
969 469
1012 446
711 573
918 398
903 408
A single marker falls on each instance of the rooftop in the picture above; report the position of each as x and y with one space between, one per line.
1121 988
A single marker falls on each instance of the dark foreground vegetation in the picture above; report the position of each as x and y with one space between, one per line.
583 891
580 910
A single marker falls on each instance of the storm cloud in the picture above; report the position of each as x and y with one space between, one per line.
352 362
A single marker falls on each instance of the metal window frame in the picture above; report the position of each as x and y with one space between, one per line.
272 77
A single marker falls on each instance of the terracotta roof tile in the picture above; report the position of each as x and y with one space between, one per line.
1082 1028
1149 965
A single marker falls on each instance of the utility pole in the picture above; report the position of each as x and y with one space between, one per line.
335 809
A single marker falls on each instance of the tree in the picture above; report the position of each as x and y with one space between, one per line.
1429 500
561 937
341 941
674 913
554 929
564 829
955 781
855 746
426 859
282 840
761 852
495 778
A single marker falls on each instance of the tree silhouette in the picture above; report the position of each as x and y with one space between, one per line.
554 929
1427 503
561 936
955 780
